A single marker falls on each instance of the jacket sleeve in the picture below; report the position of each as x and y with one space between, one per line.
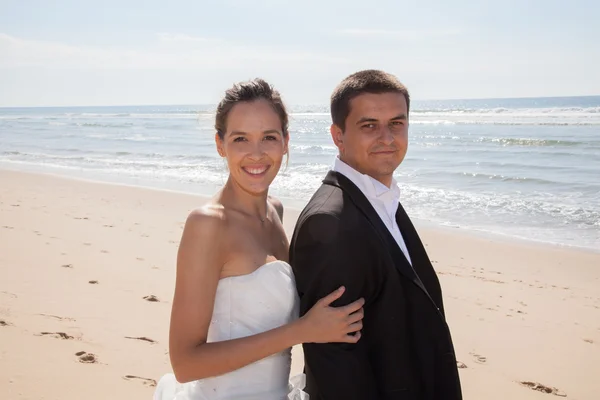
324 257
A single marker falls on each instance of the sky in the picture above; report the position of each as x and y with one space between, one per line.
81 52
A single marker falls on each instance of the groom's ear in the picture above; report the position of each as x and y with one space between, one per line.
337 135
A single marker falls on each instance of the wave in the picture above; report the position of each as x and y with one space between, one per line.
584 144
531 142
313 149
514 111
539 207
505 123
550 116
505 178
91 156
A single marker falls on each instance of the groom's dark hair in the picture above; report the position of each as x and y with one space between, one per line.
367 81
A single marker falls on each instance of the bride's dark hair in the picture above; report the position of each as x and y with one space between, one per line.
254 89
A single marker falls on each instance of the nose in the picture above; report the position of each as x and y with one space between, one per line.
386 136
256 152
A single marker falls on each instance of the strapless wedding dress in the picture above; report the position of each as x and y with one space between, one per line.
246 305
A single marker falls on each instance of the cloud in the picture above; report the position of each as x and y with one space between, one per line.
165 37
407 34
172 51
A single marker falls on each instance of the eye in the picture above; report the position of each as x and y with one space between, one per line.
368 126
397 123
271 137
239 139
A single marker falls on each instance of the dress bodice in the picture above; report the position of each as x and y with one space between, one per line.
254 303
247 305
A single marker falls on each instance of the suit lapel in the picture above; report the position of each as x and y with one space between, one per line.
417 252
363 204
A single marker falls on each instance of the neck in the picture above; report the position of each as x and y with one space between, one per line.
234 197
384 179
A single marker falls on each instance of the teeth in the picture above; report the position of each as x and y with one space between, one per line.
255 171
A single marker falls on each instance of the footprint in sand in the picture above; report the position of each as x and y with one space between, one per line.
104 251
87 244
58 318
152 298
3 323
67 265
590 341
93 282
543 388
145 381
86 358
109 226
143 338
7 227
461 365
479 359
58 335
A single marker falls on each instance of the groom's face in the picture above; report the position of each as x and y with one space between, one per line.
375 138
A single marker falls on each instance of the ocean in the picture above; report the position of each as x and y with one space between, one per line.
522 168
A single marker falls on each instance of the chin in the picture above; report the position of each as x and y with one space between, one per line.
386 168
256 188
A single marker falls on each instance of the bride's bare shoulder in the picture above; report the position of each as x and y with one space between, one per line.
208 219
277 205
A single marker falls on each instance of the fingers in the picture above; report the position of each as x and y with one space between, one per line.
333 296
355 327
353 307
357 316
352 338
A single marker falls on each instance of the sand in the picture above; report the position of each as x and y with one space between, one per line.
81 262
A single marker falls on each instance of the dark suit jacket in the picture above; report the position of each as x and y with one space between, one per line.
406 350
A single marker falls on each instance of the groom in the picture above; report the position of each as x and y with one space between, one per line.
354 232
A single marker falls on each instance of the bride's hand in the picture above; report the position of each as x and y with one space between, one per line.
325 324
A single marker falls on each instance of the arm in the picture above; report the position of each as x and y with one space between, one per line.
198 272
324 257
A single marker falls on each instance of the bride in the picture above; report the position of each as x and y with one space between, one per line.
235 309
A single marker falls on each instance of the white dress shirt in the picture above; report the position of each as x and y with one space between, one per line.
383 199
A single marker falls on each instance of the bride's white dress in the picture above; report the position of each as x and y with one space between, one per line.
246 305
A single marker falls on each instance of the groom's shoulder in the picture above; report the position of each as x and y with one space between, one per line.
325 213
326 200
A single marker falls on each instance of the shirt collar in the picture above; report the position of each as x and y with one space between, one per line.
371 187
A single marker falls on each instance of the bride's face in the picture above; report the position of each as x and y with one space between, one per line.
254 145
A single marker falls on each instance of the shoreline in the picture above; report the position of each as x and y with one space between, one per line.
297 206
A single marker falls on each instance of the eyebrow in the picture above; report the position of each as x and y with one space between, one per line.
370 119
268 131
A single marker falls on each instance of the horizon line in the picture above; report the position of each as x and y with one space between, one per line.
305 104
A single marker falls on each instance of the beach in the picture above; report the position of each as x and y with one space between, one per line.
87 274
